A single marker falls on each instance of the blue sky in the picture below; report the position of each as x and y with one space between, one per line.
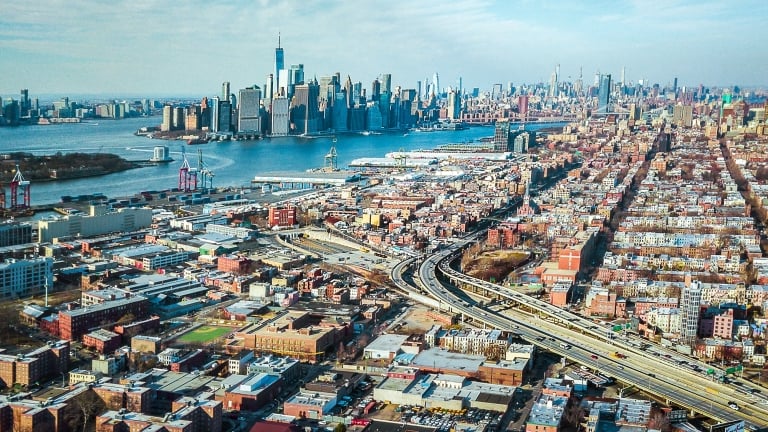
188 47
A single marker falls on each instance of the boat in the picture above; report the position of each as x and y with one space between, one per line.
197 141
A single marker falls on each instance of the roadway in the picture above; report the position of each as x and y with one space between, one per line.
587 343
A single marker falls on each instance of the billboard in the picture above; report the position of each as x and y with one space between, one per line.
732 426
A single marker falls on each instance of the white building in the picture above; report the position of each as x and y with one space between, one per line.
98 222
170 355
25 277
238 364
386 346
280 116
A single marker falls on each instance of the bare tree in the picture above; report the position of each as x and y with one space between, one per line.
88 405
659 421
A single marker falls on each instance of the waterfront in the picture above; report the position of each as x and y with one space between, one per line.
234 163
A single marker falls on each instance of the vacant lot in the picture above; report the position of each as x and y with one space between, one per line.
204 334
494 265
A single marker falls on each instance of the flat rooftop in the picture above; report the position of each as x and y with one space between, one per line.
436 357
334 178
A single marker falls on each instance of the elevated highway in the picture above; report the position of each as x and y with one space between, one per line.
580 340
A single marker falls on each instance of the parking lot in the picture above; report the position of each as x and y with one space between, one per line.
444 419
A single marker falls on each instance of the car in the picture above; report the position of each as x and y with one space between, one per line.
651 375
754 391
621 367
733 405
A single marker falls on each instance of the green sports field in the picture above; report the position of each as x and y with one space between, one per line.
204 334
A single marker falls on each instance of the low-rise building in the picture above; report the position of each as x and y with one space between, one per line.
546 414
251 392
102 340
83 376
142 343
310 405
238 363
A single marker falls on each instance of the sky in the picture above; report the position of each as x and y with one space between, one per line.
189 47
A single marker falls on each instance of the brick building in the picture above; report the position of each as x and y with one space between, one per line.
118 396
25 369
234 264
149 344
102 341
29 416
294 334
137 327
282 216
77 322
253 392
558 295
187 415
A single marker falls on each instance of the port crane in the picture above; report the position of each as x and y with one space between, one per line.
401 158
19 186
331 159
187 175
206 175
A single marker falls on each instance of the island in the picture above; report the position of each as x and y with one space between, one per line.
61 166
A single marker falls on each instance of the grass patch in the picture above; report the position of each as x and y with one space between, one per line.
204 334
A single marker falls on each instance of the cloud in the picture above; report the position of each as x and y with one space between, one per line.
191 46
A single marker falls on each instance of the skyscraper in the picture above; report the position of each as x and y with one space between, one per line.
25 104
214 112
295 77
225 90
248 120
225 116
280 116
604 94
279 64
386 83
436 85
348 90
418 90
340 112
689 310
375 89
269 90
501 136
522 106
166 125
554 83
304 112
454 105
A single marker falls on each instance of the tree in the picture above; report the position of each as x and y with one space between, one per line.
87 405
341 427
659 421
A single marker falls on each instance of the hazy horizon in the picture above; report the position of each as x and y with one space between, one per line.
145 47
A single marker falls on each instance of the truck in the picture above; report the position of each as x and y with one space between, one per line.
618 355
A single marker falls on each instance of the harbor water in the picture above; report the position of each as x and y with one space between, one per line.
234 163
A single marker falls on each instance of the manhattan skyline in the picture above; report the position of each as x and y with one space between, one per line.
145 47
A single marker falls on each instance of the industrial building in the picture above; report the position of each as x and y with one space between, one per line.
99 221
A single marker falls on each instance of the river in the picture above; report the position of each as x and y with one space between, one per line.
234 163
